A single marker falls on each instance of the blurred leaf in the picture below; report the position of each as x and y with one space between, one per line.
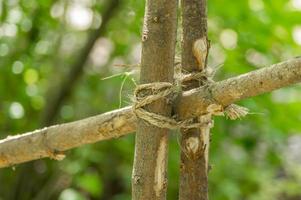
91 183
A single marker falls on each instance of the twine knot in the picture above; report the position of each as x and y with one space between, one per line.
146 94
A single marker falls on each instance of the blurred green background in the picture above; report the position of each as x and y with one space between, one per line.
54 56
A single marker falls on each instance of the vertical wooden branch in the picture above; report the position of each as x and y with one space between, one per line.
149 178
194 142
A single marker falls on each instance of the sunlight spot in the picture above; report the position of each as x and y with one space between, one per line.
57 10
135 54
256 58
26 25
79 17
217 55
117 61
17 67
70 194
14 16
97 20
31 76
213 24
101 52
286 95
16 110
297 34
31 90
85 2
228 38
296 4
42 47
12 3
292 152
4 49
256 5
68 44
9 30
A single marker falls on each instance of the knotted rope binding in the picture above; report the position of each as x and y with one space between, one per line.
159 90
146 94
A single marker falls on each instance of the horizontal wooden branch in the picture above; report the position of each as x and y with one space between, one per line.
53 141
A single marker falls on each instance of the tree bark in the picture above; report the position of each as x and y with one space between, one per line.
56 139
194 142
240 87
149 178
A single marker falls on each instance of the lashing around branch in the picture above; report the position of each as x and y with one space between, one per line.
148 93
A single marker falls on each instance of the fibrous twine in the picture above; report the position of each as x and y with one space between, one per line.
159 90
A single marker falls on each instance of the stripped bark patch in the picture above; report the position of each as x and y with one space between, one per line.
192 145
160 182
200 51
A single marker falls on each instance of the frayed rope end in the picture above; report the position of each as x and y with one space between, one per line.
234 111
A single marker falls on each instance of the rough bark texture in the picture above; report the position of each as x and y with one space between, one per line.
194 142
194 23
257 82
241 87
149 178
61 91
53 141
56 139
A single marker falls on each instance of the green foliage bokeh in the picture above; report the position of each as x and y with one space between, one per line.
252 158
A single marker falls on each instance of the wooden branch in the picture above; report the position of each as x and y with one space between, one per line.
195 102
62 90
194 142
54 140
49 142
149 178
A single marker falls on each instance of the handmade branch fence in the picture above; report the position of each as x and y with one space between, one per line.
54 140
195 103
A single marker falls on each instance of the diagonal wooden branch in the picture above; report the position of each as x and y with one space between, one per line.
195 102
52 141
